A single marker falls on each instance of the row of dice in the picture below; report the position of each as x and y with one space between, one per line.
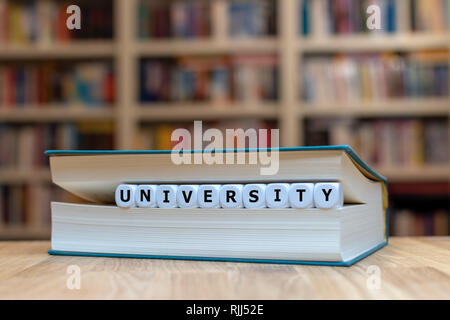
252 196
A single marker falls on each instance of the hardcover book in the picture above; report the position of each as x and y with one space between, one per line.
255 229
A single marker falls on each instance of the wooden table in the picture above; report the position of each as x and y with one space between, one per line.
409 268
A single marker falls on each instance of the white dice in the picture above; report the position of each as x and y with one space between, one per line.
328 195
254 196
301 195
125 195
230 196
277 195
146 196
187 196
208 196
166 196
323 195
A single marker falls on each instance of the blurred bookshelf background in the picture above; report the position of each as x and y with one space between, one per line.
138 69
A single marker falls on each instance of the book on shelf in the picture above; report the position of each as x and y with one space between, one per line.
255 78
430 15
13 205
21 146
37 84
216 78
398 143
366 77
28 205
321 18
44 21
436 137
338 229
174 19
205 78
252 18
406 222
419 209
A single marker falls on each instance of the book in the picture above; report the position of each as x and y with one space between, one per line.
44 21
374 76
255 77
173 19
324 18
339 236
21 145
219 79
408 222
252 18
430 15
89 83
28 204
386 142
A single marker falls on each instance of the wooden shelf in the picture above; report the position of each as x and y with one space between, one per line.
211 46
18 175
24 233
387 108
55 113
73 49
204 111
416 174
374 42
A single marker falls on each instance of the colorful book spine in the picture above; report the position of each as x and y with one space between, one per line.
21 145
252 18
174 19
407 222
329 17
44 21
38 84
366 77
391 143
29 204
430 15
215 79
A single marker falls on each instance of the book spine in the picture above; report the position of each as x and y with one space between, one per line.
387 143
90 83
374 77
45 21
209 79
174 19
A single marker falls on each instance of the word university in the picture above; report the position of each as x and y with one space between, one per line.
251 196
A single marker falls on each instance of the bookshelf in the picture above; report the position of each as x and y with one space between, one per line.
289 112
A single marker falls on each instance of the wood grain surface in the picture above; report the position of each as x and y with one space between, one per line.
410 268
